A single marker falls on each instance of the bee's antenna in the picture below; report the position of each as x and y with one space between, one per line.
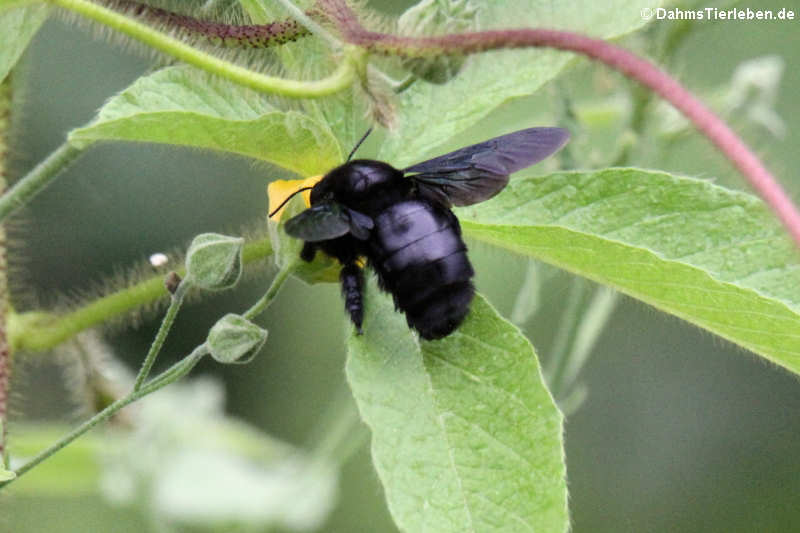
283 203
364 138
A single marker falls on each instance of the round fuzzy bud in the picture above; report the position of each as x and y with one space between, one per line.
234 338
214 262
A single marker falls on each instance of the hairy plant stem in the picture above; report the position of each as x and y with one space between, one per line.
176 299
261 305
629 64
5 350
37 331
345 74
308 21
250 36
37 179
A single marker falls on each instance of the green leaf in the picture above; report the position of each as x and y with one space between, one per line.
712 256
465 436
185 106
17 28
430 114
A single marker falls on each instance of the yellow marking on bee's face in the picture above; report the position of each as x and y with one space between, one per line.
279 190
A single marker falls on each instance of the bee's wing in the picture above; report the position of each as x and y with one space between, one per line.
328 221
478 172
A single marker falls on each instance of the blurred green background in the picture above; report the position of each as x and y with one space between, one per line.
680 431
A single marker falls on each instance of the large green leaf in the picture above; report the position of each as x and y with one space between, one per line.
430 114
17 28
185 106
465 436
8 5
712 256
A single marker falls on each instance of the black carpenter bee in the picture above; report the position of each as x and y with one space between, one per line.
401 221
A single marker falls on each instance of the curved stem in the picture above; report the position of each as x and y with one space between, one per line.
37 179
340 79
633 66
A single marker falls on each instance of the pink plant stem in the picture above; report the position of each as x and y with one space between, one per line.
615 57
247 36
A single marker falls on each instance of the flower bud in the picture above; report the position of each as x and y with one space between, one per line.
233 338
214 262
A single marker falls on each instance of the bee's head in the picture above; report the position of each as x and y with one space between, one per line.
354 181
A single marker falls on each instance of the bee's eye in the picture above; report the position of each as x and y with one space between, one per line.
320 192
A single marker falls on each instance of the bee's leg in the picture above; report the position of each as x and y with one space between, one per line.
352 278
308 252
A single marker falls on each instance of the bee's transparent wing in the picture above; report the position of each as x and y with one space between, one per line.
478 172
327 221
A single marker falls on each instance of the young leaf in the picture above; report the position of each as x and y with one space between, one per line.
17 28
185 106
709 255
465 436
431 114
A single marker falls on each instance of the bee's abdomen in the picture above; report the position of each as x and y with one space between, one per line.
420 258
